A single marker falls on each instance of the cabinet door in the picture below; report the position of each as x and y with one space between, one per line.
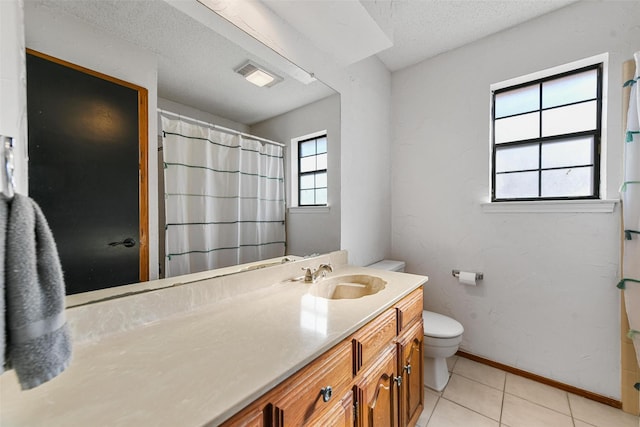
340 414
411 370
376 393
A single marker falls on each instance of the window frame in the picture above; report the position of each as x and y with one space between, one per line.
296 169
596 133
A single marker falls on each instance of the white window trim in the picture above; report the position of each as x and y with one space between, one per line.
309 209
551 206
536 206
293 165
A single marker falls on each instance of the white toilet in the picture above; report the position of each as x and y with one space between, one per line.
442 335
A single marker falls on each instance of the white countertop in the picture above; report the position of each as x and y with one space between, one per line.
200 367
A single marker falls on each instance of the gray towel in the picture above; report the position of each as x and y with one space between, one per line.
38 340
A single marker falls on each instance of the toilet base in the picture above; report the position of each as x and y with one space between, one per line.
436 373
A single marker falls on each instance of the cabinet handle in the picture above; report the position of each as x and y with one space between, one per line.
326 393
398 380
407 368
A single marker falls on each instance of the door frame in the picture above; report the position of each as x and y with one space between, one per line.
143 150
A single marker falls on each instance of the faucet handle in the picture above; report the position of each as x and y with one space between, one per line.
308 275
326 267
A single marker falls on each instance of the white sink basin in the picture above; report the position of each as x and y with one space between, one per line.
347 287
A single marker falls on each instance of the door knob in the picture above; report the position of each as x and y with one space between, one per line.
127 243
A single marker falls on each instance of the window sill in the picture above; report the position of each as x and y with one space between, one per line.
309 209
551 206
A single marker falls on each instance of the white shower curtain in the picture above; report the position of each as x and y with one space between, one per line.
630 193
224 198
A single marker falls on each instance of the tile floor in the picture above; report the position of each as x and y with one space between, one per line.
479 395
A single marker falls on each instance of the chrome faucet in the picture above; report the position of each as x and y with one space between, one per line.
311 276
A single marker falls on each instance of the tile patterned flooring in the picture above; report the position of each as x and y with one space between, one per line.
479 395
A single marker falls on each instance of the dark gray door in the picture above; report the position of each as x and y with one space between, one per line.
84 171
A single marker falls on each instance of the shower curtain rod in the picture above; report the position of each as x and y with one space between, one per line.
222 128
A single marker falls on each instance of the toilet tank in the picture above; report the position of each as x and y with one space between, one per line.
389 265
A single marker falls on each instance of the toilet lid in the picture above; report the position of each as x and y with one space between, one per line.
439 326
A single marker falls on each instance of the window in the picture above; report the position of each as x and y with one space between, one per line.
546 137
312 171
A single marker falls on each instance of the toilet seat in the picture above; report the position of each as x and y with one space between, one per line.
439 326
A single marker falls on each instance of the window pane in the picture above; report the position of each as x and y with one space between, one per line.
308 164
308 148
321 179
517 128
321 196
517 101
573 118
569 152
306 197
570 182
321 145
307 181
322 162
574 88
517 185
517 158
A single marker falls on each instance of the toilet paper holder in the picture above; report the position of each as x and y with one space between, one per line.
456 273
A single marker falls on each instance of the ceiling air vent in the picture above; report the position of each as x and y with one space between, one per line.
258 75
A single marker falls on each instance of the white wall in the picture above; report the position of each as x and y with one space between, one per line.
67 38
310 230
13 90
365 90
548 303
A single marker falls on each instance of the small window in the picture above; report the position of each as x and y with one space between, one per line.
312 171
546 138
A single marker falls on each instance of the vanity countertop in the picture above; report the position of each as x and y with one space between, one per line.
200 367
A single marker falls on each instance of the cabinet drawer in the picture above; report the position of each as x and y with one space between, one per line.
339 415
372 338
250 417
409 309
300 398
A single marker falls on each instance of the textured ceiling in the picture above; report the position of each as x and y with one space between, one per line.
195 64
342 28
422 29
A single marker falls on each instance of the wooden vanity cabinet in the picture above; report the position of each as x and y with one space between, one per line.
254 416
318 394
377 393
316 389
340 414
375 378
399 378
372 338
409 310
